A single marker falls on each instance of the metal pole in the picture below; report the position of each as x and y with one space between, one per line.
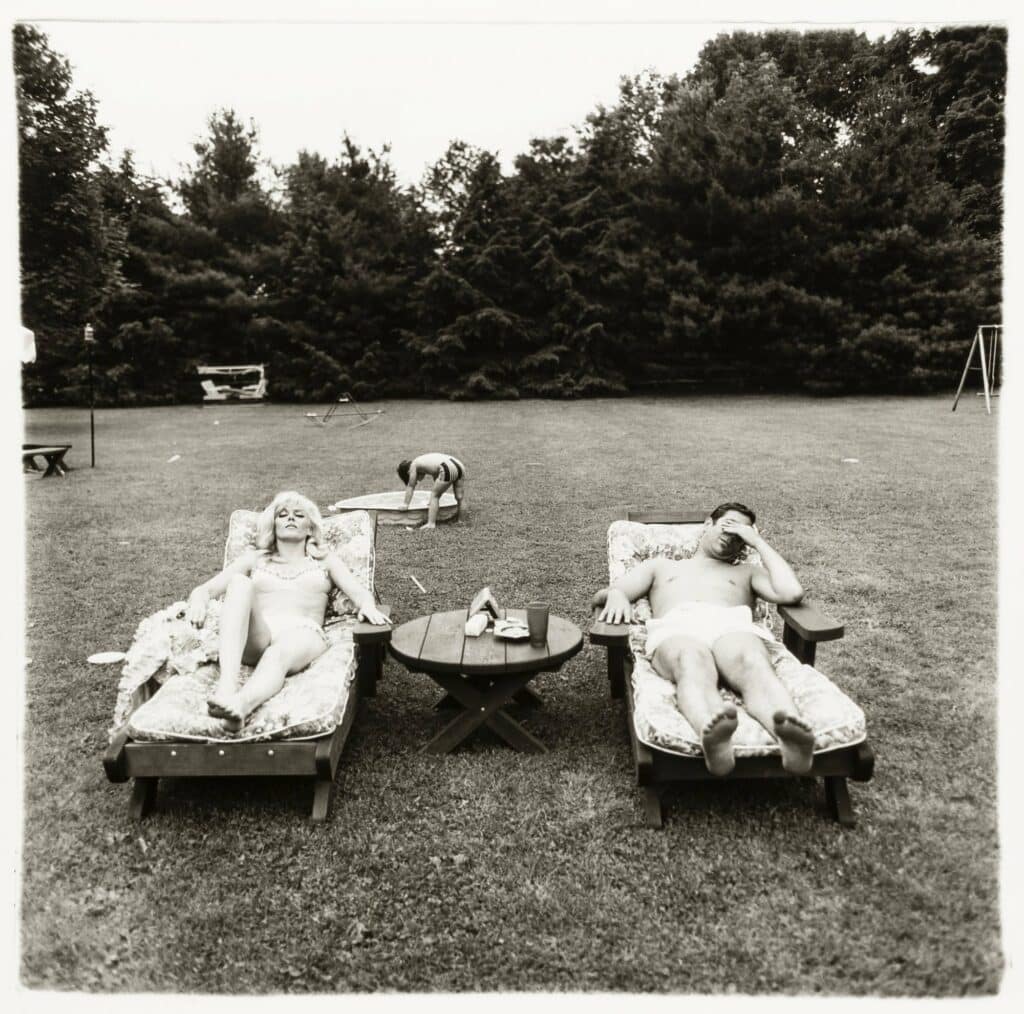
993 355
984 374
970 356
90 340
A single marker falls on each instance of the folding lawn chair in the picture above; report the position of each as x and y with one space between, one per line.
333 413
161 725
666 749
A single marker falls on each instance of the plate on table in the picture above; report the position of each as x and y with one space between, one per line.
511 630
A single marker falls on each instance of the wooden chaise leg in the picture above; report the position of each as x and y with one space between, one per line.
328 750
838 798
654 808
616 671
321 798
142 798
369 668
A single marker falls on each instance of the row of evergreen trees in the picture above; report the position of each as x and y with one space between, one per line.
814 211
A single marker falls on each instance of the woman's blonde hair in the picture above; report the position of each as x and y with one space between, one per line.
266 539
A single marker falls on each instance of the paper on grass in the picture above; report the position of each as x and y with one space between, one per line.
106 657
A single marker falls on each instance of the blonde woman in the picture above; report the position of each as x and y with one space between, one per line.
275 601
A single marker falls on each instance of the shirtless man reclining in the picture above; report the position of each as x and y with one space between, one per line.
702 628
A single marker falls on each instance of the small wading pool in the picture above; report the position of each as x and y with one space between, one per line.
389 507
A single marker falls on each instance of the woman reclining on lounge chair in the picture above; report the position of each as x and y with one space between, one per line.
275 600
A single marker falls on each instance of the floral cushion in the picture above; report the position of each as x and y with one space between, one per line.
311 703
836 720
349 536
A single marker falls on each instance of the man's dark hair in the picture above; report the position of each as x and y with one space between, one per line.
403 471
724 508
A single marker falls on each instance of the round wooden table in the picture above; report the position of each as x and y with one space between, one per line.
482 674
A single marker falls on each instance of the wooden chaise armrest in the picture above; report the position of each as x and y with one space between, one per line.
811 623
611 635
804 626
614 637
371 633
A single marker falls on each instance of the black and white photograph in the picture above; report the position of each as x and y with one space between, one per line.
517 502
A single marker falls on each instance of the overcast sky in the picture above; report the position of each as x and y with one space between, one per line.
413 86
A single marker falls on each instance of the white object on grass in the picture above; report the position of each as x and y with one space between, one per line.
412 577
851 461
106 657
173 457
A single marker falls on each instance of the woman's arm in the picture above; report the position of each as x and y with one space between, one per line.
348 583
199 599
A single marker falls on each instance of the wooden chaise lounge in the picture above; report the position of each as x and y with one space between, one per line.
164 731
666 751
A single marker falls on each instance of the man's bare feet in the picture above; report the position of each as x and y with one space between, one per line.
225 709
796 739
716 738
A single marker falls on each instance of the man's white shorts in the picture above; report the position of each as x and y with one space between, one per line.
703 621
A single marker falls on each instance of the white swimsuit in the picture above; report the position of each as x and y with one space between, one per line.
704 621
311 580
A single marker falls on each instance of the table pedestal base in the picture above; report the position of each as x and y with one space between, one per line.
483 703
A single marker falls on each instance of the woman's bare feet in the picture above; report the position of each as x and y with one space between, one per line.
796 738
716 738
227 711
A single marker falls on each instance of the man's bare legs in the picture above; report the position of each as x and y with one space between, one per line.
459 489
743 661
435 502
243 637
292 651
686 662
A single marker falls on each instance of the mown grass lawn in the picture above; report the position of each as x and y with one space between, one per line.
490 870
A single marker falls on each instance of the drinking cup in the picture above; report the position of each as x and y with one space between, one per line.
537 622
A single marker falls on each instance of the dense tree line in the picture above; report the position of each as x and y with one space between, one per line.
811 211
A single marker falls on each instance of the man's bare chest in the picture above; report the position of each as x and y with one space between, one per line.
702 581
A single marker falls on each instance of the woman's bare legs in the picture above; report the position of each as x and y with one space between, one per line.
244 636
292 651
